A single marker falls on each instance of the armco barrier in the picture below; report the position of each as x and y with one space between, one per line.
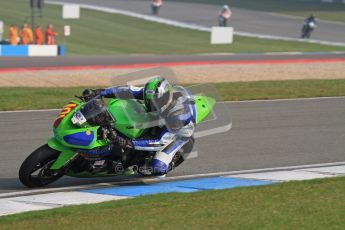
31 51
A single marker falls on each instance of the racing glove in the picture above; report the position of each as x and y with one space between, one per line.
88 94
122 142
125 143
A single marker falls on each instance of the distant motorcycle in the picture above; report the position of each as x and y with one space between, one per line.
224 16
155 6
222 21
307 29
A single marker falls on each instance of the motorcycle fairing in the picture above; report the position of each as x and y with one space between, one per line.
66 154
77 137
80 138
203 106
130 118
71 106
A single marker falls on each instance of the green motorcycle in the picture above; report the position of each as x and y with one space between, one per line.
85 151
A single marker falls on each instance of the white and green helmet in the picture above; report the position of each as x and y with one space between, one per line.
158 94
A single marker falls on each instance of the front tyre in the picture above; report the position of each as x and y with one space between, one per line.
35 172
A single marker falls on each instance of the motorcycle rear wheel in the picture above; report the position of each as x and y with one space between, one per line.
35 172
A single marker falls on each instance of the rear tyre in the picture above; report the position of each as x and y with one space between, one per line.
155 9
304 31
308 34
35 172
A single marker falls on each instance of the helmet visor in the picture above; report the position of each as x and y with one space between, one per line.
161 103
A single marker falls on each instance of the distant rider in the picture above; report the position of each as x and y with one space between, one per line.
155 6
311 18
308 26
174 116
224 16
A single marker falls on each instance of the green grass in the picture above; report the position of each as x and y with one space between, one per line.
43 98
281 89
316 204
98 33
36 98
326 11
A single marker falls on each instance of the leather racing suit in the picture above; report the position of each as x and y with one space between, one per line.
177 123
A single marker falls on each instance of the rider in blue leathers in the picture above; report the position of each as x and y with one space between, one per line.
175 115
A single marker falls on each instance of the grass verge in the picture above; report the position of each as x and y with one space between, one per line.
303 8
13 98
316 204
98 33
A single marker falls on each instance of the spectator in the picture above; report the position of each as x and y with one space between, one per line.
39 35
308 26
26 35
13 35
50 35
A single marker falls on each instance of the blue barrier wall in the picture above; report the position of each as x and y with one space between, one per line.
14 51
61 50
31 50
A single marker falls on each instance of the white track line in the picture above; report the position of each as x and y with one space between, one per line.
29 111
303 18
26 203
47 190
222 102
21 204
286 99
256 170
150 180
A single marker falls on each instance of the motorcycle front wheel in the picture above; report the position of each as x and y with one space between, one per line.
35 170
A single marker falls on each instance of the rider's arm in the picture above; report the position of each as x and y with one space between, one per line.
180 124
123 92
182 120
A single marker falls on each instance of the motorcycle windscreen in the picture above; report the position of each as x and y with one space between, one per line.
213 116
95 112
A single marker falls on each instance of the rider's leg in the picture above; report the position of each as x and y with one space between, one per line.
154 9
162 159
184 152
220 21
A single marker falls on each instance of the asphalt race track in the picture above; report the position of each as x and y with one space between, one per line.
265 134
242 20
25 62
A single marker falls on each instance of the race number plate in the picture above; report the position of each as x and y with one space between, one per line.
78 118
